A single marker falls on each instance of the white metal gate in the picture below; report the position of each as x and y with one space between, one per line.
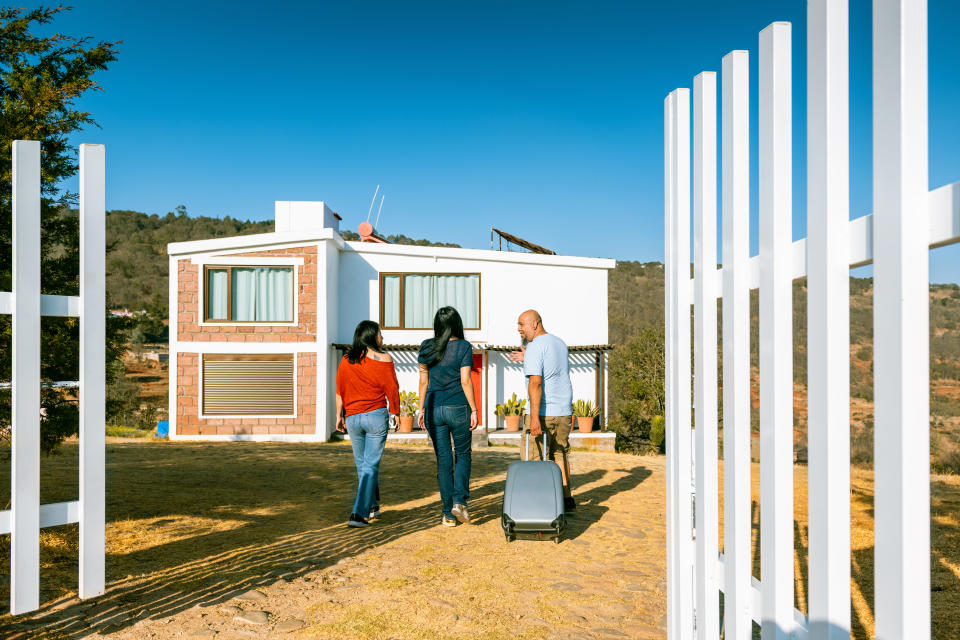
26 515
907 221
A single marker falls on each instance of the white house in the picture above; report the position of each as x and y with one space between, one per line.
258 322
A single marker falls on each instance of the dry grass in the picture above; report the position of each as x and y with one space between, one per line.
945 552
195 524
190 526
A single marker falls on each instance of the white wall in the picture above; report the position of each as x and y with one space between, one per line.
571 299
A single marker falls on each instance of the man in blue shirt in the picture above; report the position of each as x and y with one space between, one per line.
546 363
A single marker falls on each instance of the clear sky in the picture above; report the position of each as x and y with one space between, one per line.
542 119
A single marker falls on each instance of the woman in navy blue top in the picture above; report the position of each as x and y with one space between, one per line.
449 410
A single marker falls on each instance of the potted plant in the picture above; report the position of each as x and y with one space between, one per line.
409 402
585 411
512 411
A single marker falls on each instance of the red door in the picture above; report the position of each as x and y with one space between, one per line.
476 374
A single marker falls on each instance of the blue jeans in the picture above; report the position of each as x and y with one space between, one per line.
368 435
453 465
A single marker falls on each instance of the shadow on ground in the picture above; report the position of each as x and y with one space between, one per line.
199 524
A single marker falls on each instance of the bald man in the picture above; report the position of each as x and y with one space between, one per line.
546 363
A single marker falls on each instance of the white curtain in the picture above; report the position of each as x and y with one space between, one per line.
275 295
217 293
463 294
244 294
423 295
262 294
391 301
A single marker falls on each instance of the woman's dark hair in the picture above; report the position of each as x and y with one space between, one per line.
364 337
446 324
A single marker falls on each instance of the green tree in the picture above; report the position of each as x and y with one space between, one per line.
637 373
41 79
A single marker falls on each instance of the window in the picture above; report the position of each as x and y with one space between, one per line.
247 385
410 300
248 294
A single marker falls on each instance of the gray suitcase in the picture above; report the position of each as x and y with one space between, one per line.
533 498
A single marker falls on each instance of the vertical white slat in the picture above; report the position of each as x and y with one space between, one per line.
669 324
92 368
901 320
173 314
735 141
25 415
776 331
705 350
828 319
682 373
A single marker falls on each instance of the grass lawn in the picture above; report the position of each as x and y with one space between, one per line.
192 525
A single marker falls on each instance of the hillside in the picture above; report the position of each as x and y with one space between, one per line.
137 279
137 268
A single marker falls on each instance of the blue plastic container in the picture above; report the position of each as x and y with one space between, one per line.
163 428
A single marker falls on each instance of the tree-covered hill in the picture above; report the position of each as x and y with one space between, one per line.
137 267
137 276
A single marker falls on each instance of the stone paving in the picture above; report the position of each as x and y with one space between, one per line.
406 576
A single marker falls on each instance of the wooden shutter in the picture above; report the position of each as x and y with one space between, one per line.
256 384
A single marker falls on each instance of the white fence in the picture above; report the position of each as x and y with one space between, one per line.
26 515
906 222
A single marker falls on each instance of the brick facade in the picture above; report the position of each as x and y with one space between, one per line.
189 329
189 422
190 307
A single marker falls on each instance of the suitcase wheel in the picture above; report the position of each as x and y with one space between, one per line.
510 537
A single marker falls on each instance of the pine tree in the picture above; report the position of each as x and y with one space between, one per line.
41 79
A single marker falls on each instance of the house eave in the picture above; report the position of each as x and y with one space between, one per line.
256 241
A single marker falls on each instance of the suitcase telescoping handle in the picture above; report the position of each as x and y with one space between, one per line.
526 446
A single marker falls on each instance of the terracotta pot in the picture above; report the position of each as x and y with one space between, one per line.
406 424
512 423
585 424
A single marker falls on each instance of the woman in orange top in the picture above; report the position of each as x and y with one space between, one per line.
367 395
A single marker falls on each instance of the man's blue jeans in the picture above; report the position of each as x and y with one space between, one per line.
453 465
368 435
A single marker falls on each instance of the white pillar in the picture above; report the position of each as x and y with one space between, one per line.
776 331
682 454
901 320
25 415
735 142
669 363
828 319
92 368
705 365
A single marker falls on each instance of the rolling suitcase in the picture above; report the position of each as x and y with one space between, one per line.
533 498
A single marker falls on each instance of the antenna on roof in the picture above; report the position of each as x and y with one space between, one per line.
379 210
370 210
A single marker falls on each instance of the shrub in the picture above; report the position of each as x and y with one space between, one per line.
658 433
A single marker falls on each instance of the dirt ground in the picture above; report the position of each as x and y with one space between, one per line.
235 540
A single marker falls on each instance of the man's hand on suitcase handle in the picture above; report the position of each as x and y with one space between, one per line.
535 426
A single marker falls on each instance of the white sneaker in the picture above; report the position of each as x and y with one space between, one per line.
448 522
461 513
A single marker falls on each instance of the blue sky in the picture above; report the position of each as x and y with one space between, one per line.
543 119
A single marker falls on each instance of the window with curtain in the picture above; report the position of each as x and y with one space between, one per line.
410 300
249 294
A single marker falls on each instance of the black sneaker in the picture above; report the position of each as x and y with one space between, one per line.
357 521
569 504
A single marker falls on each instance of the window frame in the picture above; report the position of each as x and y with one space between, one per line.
403 299
204 290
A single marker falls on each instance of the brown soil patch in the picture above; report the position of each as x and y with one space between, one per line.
193 526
